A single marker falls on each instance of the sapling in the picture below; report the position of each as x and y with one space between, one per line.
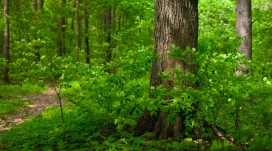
59 98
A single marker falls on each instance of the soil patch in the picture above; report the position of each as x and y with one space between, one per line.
39 102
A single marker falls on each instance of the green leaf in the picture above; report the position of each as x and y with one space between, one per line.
176 145
216 145
226 143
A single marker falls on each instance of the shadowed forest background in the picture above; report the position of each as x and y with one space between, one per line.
127 77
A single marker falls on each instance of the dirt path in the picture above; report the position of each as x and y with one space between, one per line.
39 102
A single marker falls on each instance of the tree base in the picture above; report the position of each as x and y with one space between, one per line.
160 126
163 130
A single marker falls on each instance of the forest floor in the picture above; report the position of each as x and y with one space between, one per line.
39 102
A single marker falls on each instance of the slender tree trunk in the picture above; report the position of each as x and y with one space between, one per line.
62 32
113 19
78 31
176 22
122 20
73 19
113 42
26 39
87 49
139 31
113 25
244 28
40 47
62 37
119 22
36 48
41 4
101 29
6 40
35 5
108 32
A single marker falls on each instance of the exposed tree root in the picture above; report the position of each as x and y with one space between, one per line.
163 130
219 132
145 124
159 125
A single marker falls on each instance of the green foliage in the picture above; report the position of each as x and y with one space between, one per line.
45 131
239 104
104 99
261 42
216 27
100 92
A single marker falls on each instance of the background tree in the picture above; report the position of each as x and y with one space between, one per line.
41 4
6 40
78 46
62 28
244 28
36 48
74 2
87 48
176 22
107 23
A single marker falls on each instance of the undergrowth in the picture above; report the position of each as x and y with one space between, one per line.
102 108
84 131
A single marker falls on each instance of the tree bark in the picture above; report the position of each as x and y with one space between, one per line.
87 49
73 19
62 32
35 5
108 32
176 22
6 40
113 42
244 28
78 31
36 48
41 4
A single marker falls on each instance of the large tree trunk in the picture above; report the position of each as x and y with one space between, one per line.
87 49
176 22
244 28
6 40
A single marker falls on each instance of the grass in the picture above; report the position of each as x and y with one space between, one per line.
10 102
14 90
8 107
